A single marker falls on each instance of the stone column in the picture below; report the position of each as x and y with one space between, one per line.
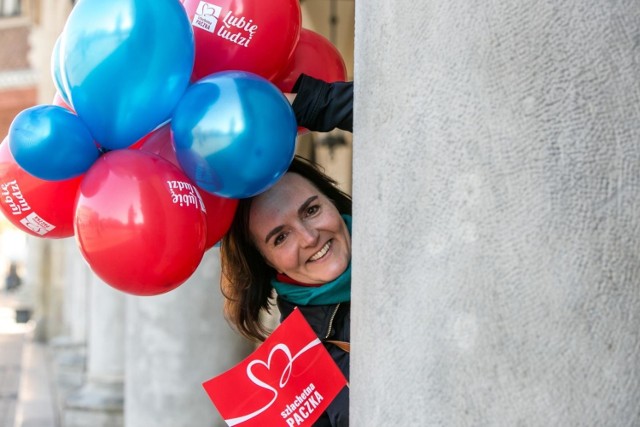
496 217
77 281
175 342
100 401
44 282
68 351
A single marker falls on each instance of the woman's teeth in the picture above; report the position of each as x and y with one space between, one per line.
322 252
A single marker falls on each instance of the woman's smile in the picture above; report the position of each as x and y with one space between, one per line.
322 252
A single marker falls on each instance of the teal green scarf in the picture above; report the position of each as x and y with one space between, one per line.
338 290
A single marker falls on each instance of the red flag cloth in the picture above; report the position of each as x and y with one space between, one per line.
288 381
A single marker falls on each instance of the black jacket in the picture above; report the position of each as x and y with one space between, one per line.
329 322
321 106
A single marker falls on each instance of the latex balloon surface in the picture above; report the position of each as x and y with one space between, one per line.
220 210
234 134
315 56
249 35
140 223
126 64
56 74
37 207
51 143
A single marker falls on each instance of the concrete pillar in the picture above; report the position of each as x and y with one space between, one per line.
68 351
77 278
175 342
496 217
100 401
44 279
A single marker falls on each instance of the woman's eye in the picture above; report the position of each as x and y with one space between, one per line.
312 210
279 239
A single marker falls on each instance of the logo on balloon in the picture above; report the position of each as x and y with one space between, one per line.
236 29
186 194
206 16
12 196
36 224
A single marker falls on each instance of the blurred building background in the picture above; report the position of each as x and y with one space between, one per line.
109 359
18 90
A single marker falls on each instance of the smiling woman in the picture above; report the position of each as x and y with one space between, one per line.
293 241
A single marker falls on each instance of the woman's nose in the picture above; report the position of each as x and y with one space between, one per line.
309 236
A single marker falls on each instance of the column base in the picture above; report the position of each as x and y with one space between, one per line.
96 405
68 363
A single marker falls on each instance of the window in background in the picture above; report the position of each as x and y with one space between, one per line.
9 8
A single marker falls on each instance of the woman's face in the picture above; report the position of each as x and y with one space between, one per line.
299 231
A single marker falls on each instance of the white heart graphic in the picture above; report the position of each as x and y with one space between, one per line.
284 378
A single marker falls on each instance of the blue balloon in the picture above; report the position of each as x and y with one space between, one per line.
127 63
51 143
234 134
56 73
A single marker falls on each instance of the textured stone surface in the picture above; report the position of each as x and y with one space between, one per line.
497 170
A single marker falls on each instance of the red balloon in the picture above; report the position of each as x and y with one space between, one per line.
220 210
159 142
258 36
38 207
142 141
140 223
315 56
220 213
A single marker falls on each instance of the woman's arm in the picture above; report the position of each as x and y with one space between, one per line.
321 106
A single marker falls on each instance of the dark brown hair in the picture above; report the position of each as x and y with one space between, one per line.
246 277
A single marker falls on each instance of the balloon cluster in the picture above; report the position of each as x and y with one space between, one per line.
166 113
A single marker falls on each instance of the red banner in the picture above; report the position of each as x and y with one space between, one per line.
288 381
